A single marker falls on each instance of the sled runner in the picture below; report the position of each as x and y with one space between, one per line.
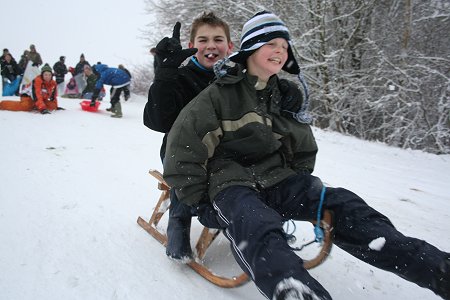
208 235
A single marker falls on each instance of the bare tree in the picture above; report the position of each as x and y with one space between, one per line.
377 69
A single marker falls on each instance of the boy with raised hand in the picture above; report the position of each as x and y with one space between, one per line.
173 87
233 146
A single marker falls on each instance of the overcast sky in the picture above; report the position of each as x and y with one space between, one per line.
106 31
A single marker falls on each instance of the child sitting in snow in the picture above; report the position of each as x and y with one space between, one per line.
43 98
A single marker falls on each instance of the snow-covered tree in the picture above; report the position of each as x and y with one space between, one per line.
377 69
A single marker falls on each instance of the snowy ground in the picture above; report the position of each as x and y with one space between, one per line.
74 183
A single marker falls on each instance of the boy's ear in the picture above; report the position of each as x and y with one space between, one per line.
191 45
230 48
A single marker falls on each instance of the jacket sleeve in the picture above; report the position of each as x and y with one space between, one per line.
298 144
304 149
100 81
90 84
165 100
187 151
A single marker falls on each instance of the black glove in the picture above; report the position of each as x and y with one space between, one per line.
169 53
291 96
95 94
207 215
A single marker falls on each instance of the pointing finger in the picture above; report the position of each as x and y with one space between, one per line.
176 31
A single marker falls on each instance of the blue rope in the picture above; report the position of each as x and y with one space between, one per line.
290 237
317 230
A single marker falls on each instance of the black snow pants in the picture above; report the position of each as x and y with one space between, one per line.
253 221
115 95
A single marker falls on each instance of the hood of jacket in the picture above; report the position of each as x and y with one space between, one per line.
100 67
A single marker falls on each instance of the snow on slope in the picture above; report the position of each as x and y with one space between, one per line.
74 183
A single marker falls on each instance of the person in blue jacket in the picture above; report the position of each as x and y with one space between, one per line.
118 80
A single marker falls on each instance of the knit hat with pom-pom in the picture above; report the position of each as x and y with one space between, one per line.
258 31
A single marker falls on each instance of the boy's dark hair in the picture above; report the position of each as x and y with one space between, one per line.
209 18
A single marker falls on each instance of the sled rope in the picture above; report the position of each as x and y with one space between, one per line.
317 230
290 234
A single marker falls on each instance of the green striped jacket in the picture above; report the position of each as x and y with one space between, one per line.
232 134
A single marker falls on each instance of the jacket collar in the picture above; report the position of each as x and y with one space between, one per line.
238 73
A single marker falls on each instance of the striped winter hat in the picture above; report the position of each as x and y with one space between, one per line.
260 29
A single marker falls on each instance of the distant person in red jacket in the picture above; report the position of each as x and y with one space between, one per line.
44 95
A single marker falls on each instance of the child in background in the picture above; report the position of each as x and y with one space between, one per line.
43 98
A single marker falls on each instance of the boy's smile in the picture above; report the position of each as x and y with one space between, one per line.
212 45
269 59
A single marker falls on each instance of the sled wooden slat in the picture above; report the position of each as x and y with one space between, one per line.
209 235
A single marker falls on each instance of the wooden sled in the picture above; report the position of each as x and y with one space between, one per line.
208 235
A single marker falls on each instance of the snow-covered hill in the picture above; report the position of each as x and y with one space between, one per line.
73 184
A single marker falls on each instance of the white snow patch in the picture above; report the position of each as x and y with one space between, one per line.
72 233
242 245
377 244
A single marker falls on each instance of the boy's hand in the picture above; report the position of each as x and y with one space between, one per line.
95 95
207 215
291 96
169 53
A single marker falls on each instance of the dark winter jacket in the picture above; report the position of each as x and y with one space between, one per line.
171 90
2 58
10 70
60 70
90 84
79 68
232 134
23 62
35 57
